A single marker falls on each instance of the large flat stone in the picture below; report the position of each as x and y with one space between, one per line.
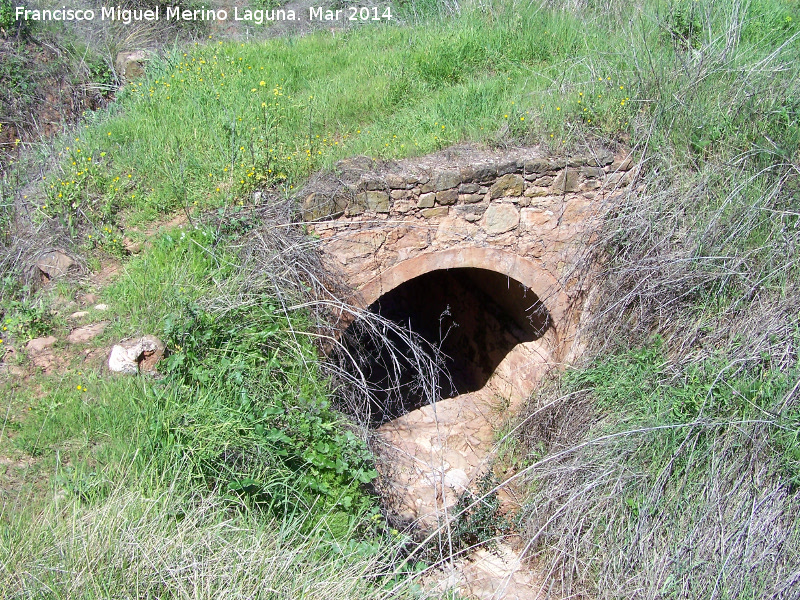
439 211
446 180
426 200
415 237
130 65
87 333
471 198
478 173
39 344
356 245
54 264
318 206
507 185
566 181
508 167
447 197
538 165
501 218
377 201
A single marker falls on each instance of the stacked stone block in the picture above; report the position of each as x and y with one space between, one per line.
475 191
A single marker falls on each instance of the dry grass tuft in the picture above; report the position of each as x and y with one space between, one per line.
278 260
176 546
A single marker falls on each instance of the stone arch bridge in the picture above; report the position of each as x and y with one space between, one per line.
483 244
452 220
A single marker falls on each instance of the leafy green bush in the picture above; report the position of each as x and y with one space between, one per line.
478 520
7 19
251 412
24 319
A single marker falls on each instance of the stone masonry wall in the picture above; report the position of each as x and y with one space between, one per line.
516 212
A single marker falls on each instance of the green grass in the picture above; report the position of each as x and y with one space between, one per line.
207 126
643 385
175 545
674 461
85 434
237 443
178 267
240 437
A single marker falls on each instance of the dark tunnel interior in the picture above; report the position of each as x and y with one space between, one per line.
469 318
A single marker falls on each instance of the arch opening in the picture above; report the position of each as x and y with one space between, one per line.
466 321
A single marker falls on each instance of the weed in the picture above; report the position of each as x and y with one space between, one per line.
25 319
242 368
140 545
667 449
6 15
478 520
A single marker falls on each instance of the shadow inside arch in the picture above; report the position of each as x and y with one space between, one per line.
470 319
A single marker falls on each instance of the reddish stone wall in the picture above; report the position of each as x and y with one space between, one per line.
514 212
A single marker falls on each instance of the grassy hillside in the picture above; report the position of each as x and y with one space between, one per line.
680 429
207 127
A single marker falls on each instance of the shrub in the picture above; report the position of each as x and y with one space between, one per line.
7 17
251 410
654 464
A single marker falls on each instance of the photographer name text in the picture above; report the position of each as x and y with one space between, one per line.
176 13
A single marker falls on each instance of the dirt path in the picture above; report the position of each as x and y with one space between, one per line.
429 457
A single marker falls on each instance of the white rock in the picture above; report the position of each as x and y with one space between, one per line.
123 361
456 479
139 354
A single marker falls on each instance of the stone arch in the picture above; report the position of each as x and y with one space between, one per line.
524 270
515 370
409 236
